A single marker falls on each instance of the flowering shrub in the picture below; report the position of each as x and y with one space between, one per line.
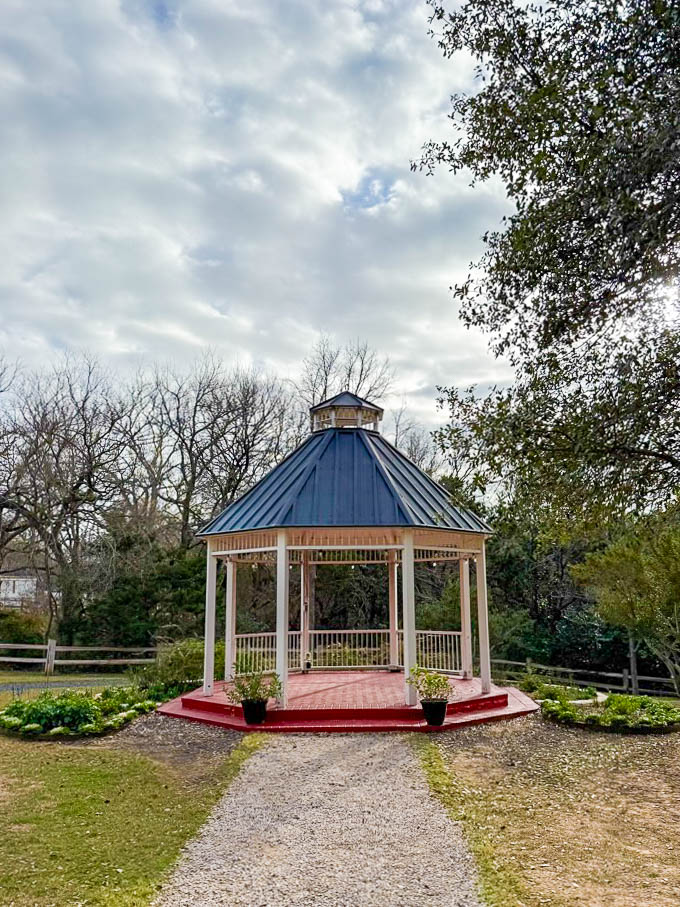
71 712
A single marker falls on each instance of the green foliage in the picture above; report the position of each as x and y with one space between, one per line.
155 592
18 626
75 712
636 581
429 684
178 666
543 688
576 285
254 686
620 713
575 113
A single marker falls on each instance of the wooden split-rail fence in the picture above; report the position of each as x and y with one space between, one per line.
49 655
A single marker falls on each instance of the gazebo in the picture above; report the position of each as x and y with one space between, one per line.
347 496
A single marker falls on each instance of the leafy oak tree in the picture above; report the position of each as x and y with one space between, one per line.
576 112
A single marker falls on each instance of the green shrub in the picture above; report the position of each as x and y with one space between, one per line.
178 667
620 713
19 627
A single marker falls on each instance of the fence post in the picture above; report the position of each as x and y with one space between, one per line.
50 655
632 658
624 680
528 666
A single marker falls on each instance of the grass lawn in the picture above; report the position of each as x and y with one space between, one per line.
563 817
101 823
20 677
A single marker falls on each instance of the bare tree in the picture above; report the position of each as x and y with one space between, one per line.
63 472
331 368
415 441
198 439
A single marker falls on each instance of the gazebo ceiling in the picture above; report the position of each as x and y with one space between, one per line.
347 477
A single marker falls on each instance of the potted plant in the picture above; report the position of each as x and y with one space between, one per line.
434 692
252 692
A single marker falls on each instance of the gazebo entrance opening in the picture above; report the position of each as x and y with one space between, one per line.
398 647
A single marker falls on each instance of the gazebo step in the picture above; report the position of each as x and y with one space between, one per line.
371 706
218 704
332 723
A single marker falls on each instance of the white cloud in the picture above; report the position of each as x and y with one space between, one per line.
179 174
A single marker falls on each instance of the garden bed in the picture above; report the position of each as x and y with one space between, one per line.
75 713
619 714
545 688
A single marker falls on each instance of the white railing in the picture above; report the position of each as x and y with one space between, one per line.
257 651
435 649
349 648
439 650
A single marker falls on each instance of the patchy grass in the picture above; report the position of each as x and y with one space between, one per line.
18 678
99 824
563 817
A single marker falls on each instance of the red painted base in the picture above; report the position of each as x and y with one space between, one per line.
353 701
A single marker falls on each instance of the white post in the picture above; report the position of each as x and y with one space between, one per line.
483 622
209 639
465 619
409 613
392 567
230 621
304 603
282 615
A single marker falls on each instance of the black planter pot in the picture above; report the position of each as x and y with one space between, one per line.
434 711
254 710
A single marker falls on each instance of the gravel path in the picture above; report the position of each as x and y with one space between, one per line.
324 821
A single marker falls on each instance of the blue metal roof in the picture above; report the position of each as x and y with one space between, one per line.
345 398
345 477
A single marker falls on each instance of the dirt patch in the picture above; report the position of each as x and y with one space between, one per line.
191 748
576 819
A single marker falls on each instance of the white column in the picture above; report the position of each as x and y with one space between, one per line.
392 567
209 638
483 622
282 615
304 606
465 619
409 613
230 621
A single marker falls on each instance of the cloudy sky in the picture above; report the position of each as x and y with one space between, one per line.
178 174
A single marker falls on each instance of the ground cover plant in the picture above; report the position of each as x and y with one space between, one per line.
100 822
75 712
545 688
619 713
561 818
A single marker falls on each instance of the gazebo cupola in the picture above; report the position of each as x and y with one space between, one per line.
345 410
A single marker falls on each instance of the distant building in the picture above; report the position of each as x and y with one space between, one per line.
19 589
